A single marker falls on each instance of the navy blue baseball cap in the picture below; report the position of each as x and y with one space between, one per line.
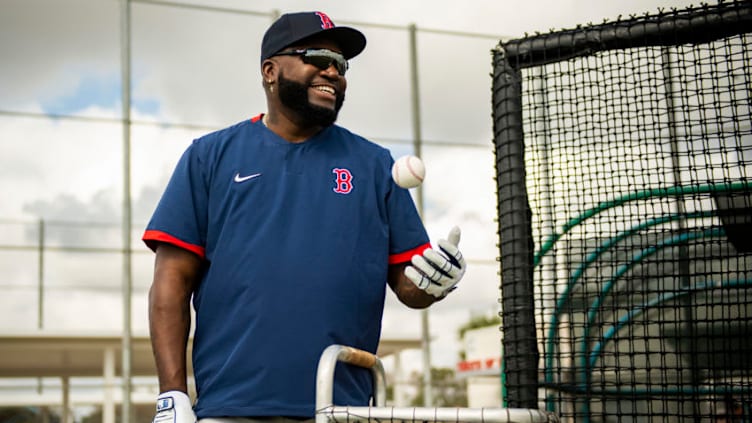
291 28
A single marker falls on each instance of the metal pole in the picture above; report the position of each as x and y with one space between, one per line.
417 143
40 277
680 225
40 289
125 52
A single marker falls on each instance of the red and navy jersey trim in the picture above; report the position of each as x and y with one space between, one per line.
152 237
407 255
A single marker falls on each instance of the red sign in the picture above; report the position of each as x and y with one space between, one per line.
475 365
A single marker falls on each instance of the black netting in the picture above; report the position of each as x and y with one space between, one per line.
629 219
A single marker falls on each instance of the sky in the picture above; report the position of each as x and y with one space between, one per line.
194 71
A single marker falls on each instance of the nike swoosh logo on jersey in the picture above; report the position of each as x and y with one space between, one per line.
239 178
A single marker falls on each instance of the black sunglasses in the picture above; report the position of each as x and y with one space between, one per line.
320 57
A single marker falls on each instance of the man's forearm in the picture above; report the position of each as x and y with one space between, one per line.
169 323
176 273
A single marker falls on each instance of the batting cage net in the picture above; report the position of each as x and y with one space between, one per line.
624 171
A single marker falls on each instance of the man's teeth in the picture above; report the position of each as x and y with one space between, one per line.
325 89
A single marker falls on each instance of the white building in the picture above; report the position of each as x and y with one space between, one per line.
482 366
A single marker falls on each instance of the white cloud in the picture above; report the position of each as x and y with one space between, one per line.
52 158
202 67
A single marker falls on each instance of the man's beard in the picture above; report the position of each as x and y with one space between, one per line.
294 95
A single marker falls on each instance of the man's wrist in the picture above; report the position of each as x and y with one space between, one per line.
172 388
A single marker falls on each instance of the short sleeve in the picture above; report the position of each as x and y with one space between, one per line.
181 215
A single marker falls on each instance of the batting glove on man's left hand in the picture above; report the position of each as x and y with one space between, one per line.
438 272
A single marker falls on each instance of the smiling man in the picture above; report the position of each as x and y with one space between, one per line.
285 231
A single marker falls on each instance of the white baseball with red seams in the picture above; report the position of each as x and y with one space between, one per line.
408 171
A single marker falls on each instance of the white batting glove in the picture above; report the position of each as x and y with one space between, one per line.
174 407
438 272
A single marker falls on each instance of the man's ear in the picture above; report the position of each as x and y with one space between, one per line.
269 69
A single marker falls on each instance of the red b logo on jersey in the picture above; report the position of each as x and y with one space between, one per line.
326 23
343 181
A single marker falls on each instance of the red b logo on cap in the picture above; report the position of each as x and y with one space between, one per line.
326 23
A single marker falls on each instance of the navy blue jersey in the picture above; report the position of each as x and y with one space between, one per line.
297 239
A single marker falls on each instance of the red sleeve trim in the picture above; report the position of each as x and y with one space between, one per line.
151 238
407 255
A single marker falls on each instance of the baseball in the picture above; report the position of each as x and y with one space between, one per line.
408 171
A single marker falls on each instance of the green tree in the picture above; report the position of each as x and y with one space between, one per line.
448 391
475 323
27 415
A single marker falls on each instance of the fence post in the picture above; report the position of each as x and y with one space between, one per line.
40 275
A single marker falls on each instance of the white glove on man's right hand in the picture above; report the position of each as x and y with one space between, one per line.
174 407
438 272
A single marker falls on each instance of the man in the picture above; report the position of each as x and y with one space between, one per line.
284 230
